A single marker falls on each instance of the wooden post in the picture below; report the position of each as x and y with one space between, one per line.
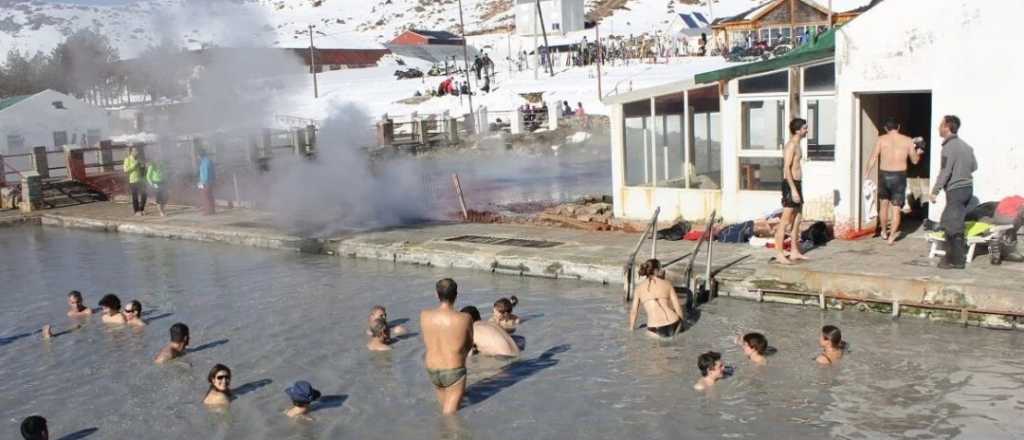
462 199
3 172
31 191
106 156
238 197
40 162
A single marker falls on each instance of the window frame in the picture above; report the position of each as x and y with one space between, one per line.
741 151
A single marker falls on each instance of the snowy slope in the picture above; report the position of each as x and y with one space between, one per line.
31 25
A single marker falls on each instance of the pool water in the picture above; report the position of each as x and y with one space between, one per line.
277 317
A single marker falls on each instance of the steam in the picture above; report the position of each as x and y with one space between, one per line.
342 189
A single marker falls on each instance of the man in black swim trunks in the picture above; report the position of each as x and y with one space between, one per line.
792 195
892 151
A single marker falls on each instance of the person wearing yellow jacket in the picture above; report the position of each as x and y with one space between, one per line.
135 169
156 177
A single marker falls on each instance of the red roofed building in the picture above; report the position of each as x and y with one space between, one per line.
419 37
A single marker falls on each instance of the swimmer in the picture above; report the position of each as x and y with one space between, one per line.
711 370
175 348
489 338
502 313
303 395
34 428
133 314
448 337
381 338
219 393
378 312
754 346
111 309
661 304
77 308
832 345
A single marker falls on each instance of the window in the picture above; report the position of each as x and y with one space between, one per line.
776 34
60 138
705 139
771 83
764 34
761 173
636 143
821 129
92 137
820 78
668 136
556 26
764 124
15 144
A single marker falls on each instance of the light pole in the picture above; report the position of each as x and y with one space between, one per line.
312 63
465 61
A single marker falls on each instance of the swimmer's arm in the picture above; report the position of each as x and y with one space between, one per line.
675 304
633 310
821 360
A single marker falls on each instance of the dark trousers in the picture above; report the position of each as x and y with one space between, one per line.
138 191
952 219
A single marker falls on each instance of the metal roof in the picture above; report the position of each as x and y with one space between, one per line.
823 47
436 35
11 100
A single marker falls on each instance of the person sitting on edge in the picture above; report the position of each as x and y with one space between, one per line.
754 347
34 428
303 395
77 308
133 314
111 309
832 345
489 338
661 304
175 348
219 393
381 338
448 337
502 313
711 370
379 312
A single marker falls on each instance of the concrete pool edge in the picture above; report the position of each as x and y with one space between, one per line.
593 259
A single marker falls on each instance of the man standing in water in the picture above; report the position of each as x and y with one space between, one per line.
892 151
957 179
448 337
175 348
792 194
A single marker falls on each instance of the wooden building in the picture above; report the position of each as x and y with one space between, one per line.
776 21
420 37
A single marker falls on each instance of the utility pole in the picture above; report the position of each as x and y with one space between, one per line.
830 14
465 61
600 60
312 63
544 32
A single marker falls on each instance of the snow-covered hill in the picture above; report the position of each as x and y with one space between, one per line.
37 25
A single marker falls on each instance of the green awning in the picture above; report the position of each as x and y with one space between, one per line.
823 47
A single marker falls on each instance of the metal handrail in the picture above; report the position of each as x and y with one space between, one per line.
631 260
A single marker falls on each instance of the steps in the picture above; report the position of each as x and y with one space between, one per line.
58 193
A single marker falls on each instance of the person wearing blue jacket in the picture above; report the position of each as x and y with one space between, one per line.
207 180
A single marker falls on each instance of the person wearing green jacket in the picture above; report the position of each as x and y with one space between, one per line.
135 169
156 177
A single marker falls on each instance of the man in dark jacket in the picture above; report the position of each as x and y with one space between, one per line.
956 178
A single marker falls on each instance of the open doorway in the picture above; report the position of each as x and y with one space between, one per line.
913 110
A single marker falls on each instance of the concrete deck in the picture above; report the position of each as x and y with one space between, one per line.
866 274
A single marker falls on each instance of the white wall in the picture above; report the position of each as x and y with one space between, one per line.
966 53
36 119
568 14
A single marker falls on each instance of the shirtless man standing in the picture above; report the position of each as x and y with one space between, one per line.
175 348
891 152
792 194
489 338
448 337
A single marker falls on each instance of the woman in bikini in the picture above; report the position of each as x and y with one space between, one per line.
832 345
661 304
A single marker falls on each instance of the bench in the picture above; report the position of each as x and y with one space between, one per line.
990 237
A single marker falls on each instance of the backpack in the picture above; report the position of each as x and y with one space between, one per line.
674 232
818 233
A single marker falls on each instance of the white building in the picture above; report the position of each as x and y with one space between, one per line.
714 141
559 16
49 119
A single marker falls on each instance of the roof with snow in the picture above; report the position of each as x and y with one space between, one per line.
436 35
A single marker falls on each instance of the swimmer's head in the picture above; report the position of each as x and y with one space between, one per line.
832 337
650 268
755 342
179 333
110 303
378 312
220 378
505 305
447 290
710 364
34 428
75 298
134 308
379 329
472 312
